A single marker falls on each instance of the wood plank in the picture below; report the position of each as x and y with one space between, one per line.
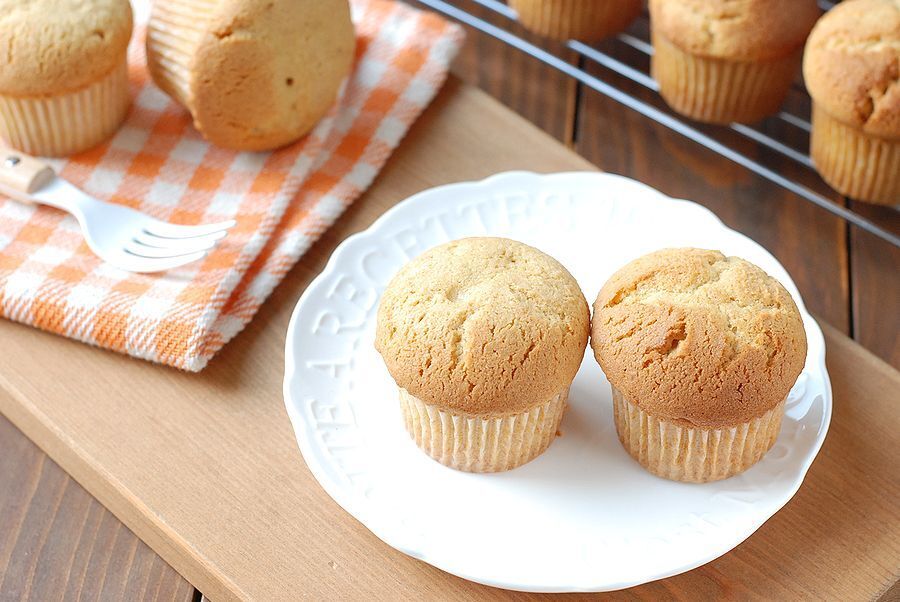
205 467
539 93
875 273
59 543
892 594
808 241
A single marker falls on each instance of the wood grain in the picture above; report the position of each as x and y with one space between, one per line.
205 468
59 543
892 594
875 272
539 93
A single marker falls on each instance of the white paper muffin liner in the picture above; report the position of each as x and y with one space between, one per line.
721 91
476 444
173 35
681 453
855 164
55 126
587 20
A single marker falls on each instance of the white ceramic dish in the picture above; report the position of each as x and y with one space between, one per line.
583 516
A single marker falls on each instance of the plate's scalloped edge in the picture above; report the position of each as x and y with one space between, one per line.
351 504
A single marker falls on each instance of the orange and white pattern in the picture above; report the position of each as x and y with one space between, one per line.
282 201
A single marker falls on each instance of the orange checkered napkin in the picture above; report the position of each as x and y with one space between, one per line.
282 201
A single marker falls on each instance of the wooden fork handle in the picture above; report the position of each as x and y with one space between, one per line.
22 175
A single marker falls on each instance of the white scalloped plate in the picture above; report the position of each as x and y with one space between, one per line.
583 516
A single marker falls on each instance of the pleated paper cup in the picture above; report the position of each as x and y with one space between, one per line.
64 124
692 454
716 90
475 444
587 20
174 33
855 164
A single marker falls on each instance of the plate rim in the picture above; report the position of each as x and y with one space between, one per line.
348 503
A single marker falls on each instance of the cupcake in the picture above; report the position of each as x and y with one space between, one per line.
701 351
586 20
483 337
851 66
63 73
254 75
720 61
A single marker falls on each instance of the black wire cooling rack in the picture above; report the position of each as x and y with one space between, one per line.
788 137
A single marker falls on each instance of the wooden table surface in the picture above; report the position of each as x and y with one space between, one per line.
57 542
205 468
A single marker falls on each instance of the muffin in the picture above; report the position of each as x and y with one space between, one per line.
851 66
254 75
719 61
586 20
63 73
701 351
483 337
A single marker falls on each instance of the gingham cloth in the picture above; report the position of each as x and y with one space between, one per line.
282 201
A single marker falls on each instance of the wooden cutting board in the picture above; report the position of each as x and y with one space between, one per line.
206 470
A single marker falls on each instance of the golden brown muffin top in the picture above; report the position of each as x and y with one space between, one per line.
483 326
50 47
741 30
852 65
692 335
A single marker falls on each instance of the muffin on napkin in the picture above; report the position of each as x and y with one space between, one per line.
701 351
63 73
586 20
851 66
483 337
721 61
254 75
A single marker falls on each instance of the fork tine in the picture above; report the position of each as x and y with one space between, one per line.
200 243
139 250
143 265
167 230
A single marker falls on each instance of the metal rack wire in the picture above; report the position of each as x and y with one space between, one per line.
591 55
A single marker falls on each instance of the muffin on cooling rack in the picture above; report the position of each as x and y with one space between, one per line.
254 75
720 61
585 20
483 337
851 66
63 73
701 351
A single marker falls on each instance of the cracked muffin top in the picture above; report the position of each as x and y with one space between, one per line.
483 326
57 46
741 30
852 65
693 336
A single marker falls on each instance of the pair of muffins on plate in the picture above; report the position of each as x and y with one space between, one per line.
484 336
254 75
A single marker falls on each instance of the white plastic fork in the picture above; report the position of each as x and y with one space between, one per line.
123 237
